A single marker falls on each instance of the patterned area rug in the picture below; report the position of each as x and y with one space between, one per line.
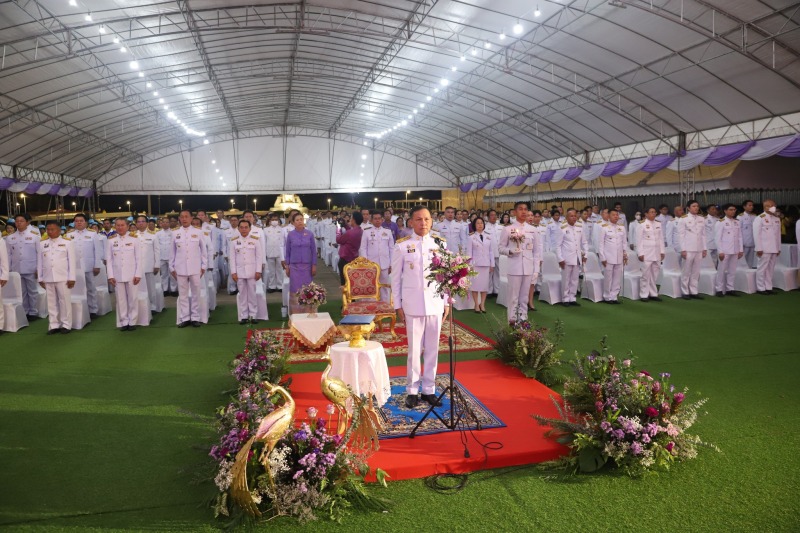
466 340
402 420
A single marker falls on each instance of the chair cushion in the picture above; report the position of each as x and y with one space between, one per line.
368 308
363 281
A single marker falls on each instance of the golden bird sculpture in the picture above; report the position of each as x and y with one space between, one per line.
362 426
270 430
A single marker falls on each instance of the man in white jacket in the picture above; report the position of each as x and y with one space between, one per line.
767 238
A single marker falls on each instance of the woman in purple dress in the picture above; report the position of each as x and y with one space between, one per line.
301 254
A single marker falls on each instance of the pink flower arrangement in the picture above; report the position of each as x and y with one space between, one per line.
312 294
450 272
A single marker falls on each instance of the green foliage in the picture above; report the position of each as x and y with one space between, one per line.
534 351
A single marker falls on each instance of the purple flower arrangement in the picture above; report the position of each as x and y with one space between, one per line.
264 358
312 294
533 350
450 272
614 413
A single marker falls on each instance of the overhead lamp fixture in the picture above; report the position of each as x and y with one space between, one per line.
116 40
415 111
474 52
363 156
362 166
429 98
166 107
148 85
73 3
517 28
422 106
160 100
362 174
537 13
134 65
404 123
394 128
123 49
216 170
88 17
141 74
502 36
453 68
463 58
171 115
487 45
436 90
101 29
213 161
365 143
444 82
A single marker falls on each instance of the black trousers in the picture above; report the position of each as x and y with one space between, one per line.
342 263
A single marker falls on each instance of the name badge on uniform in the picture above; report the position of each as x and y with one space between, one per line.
194 235
47 245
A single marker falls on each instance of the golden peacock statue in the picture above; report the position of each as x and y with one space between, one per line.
270 430
363 425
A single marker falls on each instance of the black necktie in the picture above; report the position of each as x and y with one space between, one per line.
481 234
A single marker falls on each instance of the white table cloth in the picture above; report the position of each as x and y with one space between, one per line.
364 369
312 331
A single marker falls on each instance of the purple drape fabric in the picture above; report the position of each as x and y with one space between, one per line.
614 167
659 162
793 150
546 176
572 173
5 183
727 154
519 180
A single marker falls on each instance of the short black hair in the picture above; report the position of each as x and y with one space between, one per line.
358 217
555 212
418 208
728 206
572 209
172 217
140 216
53 223
747 202
536 212
526 204
245 221
472 224
654 209
692 202
248 211
81 215
375 212
182 211
26 216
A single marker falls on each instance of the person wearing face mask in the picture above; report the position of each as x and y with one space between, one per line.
767 239
275 253
632 229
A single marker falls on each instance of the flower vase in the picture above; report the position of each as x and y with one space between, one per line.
313 312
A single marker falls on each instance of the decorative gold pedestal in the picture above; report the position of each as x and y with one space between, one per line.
355 333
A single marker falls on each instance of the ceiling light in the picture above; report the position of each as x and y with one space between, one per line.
404 123
362 174
502 36
171 115
429 98
473 52
453 68
166 107
101 29
517 28
409 116
436 90
149 85
123 49
362 166
202 134
141 74
134 65
444 82
365 143
73 3
116 40
415 111
537 13
216 170
213 161
394 128
160 100
463 58
422 105
88 17
363 156
487 45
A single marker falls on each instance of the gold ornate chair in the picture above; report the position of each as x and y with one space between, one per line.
362 291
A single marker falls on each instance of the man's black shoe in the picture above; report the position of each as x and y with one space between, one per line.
184 324
412 401
720 294
196 324
615 302
686 297
732 293
53 331
656 299
565 304
31 318
243 321
696 297
765 293
254 321
432 399
131 328
574 304
65 330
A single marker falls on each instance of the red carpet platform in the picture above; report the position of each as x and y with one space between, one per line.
504 390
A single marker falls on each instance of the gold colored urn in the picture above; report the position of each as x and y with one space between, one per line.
356 333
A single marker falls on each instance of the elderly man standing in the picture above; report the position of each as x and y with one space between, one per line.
124 264
767 239
418 305
518 241
454 232
23 250
730 246
3 279
650 248
377 244
188 262
613 254
57 270
151 262
89 248
692 239
571 249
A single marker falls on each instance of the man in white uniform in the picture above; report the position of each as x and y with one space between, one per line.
377 244
187 264
275 253
672 240
367 223
711 220
124 264
4 269
452 230
767 238
518 242
150 253
746 220
571 249
692 239
57 267
538 253
613 254
223 224
728 236
247 263
88 246
23 250
650 249
164 237
663 218
553 229
418 305
493 228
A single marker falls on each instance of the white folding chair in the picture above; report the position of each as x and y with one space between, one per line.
671 276
789 255
632 277
592 284
143 303
745 279
708 276
41 302
784 277
15 318
261 298
80 305
550 290
211 291
502 290
103 297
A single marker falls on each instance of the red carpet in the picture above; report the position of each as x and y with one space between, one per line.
504 390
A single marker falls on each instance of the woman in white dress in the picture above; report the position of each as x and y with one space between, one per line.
479 248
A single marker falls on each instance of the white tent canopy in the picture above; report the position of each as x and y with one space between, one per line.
289 95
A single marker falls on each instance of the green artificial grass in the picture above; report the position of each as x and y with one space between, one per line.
108 430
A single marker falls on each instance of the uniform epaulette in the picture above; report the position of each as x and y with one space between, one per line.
402 239
253 236
66 237
113 236
151 232
234 238
763 215
43 237
132 233
604 224
684 216
35 231
564 225
471 233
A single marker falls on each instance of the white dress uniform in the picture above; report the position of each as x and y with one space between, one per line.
230 234
151 259
208 233
124 262
767 238
649 247
553 230
4 270
572 247
164 238
23 251
423 308
275 244
377 245
711 240
748 238
664 221
614 251
728 236
57 264
521 266
692 238
479 248
454 232
88 247
246 259
188 259
633 228
538 251
493 231
671 237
